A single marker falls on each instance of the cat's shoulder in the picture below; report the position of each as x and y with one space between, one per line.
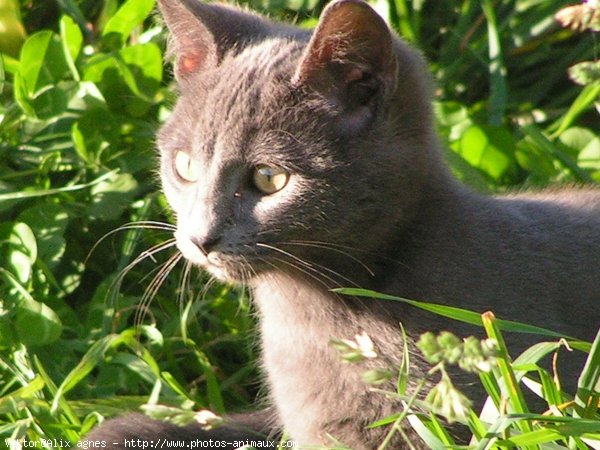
570 196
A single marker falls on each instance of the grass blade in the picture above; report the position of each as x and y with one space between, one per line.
451 312
582 103
497 68
588 387
515 396
43 192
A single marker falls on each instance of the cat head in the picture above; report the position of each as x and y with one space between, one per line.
291 150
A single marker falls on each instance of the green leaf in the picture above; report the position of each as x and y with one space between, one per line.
537 162
135 364
584 101
588 385
488 148
536 352
577 138
12 31
587 144
40 88
174 384
128 79
545 145
48 221
36 323
94 132
44 192
2 75
452 114
404 369
42 62
53 101
432 440
91 359
71 39
130 15
552 433
51 387
20 249
96 354
145 63
585 73
22 96
465 172
299 5
512 390
497 67
112 196
462 315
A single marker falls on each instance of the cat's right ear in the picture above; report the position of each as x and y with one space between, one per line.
201 33
350 59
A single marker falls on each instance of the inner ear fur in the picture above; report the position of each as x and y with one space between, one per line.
351 42
202 33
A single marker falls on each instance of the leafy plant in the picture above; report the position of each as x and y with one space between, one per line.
505 421
80 107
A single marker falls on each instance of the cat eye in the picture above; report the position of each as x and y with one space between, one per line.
269 179
186 167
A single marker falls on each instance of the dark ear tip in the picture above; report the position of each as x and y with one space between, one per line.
170 7
356 5
193 6
340 3
357 11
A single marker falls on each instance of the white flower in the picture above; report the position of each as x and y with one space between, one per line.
207 419
365 345
355 350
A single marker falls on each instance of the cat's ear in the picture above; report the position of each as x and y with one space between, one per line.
202 33
350 56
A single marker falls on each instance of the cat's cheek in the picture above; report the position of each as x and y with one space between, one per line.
171 195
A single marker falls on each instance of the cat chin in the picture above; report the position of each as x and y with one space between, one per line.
226 275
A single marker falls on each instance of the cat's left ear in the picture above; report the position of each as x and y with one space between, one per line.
350 57
202 33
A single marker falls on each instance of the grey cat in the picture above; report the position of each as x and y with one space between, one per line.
297 162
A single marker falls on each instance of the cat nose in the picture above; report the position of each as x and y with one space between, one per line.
206 244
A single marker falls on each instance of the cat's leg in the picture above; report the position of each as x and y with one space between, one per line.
138 432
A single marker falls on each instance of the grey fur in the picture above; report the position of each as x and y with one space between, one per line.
370 203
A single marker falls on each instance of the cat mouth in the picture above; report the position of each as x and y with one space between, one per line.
243 263
223 266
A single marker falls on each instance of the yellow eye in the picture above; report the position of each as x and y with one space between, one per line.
186 167
269 179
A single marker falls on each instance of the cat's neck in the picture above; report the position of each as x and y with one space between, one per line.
314 390
289 304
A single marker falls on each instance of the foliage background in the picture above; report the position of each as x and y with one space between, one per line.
83 89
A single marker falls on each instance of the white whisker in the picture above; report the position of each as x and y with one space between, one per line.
312 266
300 269
331 247
146 224
154 286
115 285
184 282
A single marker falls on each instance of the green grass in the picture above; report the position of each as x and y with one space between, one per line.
79 107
